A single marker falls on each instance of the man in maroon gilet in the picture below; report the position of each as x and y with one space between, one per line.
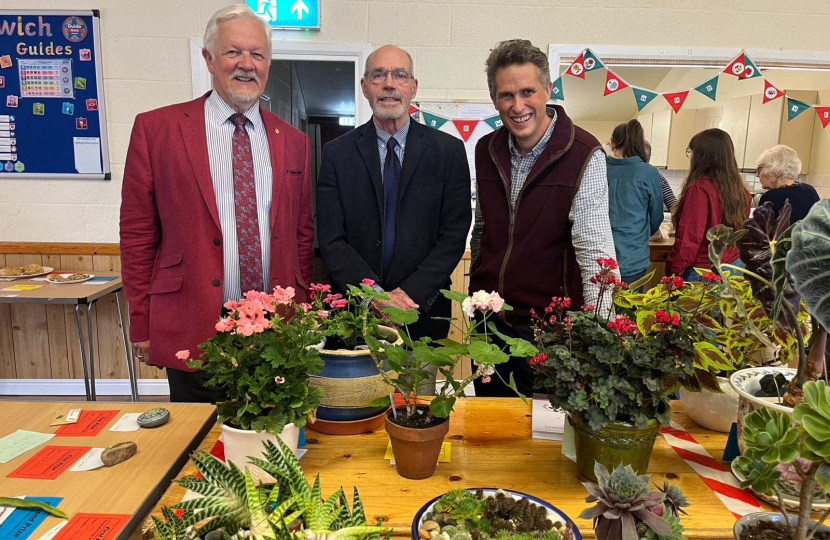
542 203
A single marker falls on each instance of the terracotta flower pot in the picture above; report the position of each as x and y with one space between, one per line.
618 442
416 450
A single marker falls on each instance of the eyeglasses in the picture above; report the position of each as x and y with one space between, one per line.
759 169
378 75
688 152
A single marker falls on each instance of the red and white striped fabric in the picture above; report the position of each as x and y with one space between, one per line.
738 501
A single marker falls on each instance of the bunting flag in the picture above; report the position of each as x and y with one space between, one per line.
433 120
643 96
709 88
465 127
613 82
494 122
557 91
413 109
736 66
592 61
795 107
577 67
823 115
750 69
676 99
771 92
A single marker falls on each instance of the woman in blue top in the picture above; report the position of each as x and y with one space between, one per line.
778 169
635 200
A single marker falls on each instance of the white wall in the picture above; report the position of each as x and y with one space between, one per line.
146 64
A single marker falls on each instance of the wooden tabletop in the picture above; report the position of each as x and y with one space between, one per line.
491 447
132 487
59 293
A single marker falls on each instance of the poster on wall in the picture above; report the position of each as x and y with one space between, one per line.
52 108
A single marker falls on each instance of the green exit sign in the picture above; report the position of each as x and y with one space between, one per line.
288 14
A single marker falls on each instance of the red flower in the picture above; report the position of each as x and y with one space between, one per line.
710 277
589 307
661 316
538 360
623 326
369 282
674 281
609 263
675 319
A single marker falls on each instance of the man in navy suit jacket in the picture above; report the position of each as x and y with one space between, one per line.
412 255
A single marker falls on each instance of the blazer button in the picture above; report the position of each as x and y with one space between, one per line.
217 242
216 282
377 244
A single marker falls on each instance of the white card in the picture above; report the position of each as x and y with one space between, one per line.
51 533
128 422
73 415
89 462
5 511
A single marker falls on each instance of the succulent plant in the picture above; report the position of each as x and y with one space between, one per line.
624 500
675 500
769 437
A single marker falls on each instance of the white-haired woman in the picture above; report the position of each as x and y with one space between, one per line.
778 169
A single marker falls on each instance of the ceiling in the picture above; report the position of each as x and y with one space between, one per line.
328 87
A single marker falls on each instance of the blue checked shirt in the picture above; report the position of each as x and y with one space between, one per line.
591 231
383 140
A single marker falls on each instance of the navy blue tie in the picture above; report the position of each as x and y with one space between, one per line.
391 182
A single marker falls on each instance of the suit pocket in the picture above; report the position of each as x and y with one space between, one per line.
301 283
166 284
170 259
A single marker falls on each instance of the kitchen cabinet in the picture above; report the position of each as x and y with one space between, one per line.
656 127
735 122
681 131
768 126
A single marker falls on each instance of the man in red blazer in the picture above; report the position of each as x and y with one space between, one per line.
215 202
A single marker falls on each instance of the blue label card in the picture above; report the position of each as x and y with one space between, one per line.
23 521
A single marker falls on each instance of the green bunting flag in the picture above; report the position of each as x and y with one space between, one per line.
591 61
795 107
494 122
750 69
709 88
433 120
557 92
643 97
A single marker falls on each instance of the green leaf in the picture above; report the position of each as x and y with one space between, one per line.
487 353
453 295
823 476
441 406
779 275
645 321
808 261
401 316
383 401
519 348
640 282
710 357
512 385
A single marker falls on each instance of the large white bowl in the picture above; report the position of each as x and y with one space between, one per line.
711 410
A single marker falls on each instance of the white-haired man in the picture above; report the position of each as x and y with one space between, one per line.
215 202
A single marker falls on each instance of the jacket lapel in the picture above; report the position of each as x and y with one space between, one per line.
195 140
367 144
276 144
415 146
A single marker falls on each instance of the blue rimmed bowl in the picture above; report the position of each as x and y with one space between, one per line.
554 514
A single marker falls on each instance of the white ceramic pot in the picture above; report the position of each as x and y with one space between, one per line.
711 410
242 443
748 381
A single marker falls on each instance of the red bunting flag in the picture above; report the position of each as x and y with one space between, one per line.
577 67
465 128
676 99
613 82
412 109
736 66
823 115
771 92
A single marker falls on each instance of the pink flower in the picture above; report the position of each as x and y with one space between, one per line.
589 307
262 299
468 308
306 307
234 363
183 355
283 296
323 314
225 325
332 297
279 380
369 282
496 302
232 305
320 287
340 303
251 319
486 379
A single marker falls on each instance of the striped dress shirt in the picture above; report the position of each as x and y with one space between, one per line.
220 153
383 141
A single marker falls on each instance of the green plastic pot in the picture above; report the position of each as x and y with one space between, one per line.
618 442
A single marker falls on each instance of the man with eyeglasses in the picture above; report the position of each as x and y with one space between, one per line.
393 199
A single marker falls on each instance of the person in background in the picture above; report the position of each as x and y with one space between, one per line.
635 203
713 194
669 200
778 169
216 201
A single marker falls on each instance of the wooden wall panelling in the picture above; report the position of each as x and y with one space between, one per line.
7 367
29 326
75 263
56 328
110 344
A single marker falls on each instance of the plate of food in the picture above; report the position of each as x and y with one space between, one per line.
63 279
24 272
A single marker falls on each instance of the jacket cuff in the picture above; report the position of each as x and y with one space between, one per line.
139 329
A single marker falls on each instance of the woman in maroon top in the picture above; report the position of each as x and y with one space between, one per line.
713 194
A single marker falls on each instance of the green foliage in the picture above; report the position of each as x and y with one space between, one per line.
814 416
676 528
769 437
807 260
174 527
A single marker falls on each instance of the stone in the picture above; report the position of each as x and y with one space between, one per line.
154 418
431 526
424 534
117 453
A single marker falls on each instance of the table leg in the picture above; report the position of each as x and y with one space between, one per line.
127 352
89 310
83 350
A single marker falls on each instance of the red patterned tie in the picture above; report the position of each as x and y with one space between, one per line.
244 197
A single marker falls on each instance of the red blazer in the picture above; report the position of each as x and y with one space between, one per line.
171 241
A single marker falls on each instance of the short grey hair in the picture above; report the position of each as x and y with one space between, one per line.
369 59
782 162
228 13
516 52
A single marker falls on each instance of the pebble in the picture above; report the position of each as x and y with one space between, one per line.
424 534
431 526
117 453
154 418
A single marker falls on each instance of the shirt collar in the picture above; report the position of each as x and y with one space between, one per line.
400 135
220 112
514 149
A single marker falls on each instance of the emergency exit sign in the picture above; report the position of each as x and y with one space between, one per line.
288 14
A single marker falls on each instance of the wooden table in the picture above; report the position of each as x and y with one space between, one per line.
77 294
491 447
132 487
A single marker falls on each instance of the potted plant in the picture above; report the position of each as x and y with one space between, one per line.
628 509
229 505
614 375
349 379
772 437
417 429
260 362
